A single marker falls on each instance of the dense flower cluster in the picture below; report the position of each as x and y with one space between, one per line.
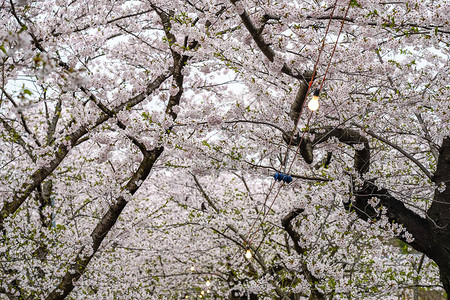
140 138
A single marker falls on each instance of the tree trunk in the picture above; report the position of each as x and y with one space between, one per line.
439 214
431 234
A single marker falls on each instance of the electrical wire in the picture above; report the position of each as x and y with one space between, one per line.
250 235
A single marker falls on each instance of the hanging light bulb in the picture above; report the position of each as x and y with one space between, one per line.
186 296
313 104
248 254
208 283
192 269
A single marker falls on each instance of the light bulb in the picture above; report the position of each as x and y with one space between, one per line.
248 254
192 268
208 283
203 292
313 104
208 291
186 297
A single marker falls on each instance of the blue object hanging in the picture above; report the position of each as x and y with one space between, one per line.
278 176
283 177
287 178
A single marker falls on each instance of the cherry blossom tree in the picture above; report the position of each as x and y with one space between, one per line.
139 140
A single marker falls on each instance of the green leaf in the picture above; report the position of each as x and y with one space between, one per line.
3 49
354 3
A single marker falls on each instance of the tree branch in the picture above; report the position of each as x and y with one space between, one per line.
109 219
22 117
17 138
396 210
265 48
402 151
71 140
434 149
438 212
63 149
344 135
104 226
295 237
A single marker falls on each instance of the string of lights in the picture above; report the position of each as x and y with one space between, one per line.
314 102
285 177
315 106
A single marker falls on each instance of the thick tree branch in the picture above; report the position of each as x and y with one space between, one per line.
63 149
351 138
179 61
402 151
299 101
295 237
71 140
256 34
104 226
265 48
425 232
306 146
396 211
113 213
439 218
344 135
441 202
52 124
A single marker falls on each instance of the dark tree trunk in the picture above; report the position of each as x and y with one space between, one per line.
431 234
439 214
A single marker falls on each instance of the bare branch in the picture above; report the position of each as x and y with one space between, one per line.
402 151
18 139
22 117
434 149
